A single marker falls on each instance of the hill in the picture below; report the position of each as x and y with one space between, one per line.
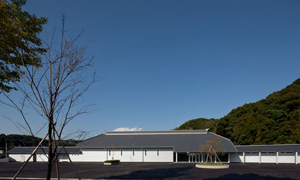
200 123
16 140
273 120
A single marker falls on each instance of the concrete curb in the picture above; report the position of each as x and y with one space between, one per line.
212 167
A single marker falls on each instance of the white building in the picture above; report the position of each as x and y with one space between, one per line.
161 146
281 153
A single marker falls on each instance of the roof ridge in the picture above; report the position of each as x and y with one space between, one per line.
88 139
224 138
167 132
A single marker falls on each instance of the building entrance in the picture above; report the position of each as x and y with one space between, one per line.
189 157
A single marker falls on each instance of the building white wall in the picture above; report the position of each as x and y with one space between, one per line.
236 157
158 155
286 157
252 157
41 158
89 155
101 155
268 157
20 157
74 158
124 155
64 157
115 154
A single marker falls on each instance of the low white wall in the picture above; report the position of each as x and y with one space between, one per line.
74 158
252 157
236 157
41 158
286 157
20 157
268 157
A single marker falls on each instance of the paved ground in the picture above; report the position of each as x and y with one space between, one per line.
157 171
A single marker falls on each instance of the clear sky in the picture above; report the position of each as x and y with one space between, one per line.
163 62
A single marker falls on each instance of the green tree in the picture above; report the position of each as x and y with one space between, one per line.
20 44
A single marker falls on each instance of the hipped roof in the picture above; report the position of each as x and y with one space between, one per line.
269 148
179 141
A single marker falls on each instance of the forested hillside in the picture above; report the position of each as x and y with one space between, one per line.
16 140
273 120
200 123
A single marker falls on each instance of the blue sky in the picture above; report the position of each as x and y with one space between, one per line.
163 62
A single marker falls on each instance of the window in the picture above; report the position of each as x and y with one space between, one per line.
109 152
121 152
158 152
133 152
145 152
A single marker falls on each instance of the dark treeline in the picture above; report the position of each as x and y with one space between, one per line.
15 140
273 120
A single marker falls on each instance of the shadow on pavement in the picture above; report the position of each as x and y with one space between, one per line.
160 173
249 176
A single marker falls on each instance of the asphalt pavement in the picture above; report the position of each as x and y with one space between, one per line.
174 171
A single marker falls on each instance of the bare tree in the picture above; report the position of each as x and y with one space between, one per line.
212 148
55 89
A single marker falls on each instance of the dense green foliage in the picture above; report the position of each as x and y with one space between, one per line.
200 123
19 41
273 120
15 140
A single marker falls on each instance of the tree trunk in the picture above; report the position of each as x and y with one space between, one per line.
50 153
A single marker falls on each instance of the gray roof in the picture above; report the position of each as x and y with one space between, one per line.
178 140
29 150
156 132
269 148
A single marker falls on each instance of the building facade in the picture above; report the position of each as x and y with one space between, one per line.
161 146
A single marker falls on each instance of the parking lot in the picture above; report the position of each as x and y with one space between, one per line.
155 171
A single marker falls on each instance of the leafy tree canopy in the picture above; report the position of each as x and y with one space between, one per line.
20 44
199 123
